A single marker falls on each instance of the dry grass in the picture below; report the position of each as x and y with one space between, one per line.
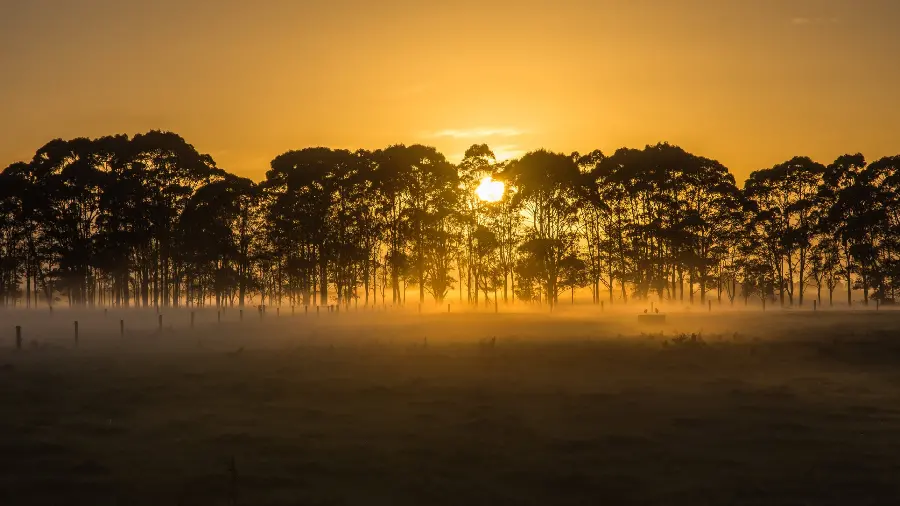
363 409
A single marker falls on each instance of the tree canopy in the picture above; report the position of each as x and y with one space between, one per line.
150 221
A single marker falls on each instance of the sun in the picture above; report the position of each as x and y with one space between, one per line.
490 190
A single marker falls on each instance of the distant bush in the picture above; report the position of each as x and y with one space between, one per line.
685 340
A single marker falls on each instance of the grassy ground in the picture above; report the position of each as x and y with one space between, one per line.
790 408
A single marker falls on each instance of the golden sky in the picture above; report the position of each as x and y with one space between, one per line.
748 82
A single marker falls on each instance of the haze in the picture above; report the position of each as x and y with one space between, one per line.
748 83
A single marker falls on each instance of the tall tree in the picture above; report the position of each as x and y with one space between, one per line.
545 185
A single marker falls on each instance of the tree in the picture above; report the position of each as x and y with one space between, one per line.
786 196
574 274
478 162
545 185
152 221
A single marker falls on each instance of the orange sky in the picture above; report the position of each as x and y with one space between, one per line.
750 83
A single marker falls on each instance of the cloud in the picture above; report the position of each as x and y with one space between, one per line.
477 133
800 21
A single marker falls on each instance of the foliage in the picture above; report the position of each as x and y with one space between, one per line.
149 220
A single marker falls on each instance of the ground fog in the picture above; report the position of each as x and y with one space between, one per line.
401 407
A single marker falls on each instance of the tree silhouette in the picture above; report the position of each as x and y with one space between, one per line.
546 185
148 220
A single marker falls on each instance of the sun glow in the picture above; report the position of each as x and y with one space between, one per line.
490 190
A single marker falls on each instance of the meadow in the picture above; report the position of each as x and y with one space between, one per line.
465 408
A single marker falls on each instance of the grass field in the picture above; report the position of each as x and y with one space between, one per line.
369 408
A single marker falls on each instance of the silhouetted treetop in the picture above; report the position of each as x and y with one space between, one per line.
149 220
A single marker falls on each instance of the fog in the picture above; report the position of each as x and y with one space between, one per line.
143 330
516 405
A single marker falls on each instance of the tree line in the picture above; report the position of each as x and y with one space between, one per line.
149 221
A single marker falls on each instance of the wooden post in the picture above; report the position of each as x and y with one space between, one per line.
306 310
710 305
121 328
277 312
18 337
651 306
76 333
876 304
317 310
